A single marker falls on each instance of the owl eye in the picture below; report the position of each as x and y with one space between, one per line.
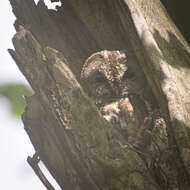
99 79
128 75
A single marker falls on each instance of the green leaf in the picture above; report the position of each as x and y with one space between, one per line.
15 94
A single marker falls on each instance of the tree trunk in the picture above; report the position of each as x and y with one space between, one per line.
80 149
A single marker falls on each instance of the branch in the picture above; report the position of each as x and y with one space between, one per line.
33 162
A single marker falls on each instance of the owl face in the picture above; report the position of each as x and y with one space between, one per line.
99 89
102 74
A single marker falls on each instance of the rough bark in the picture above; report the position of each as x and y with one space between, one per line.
78 147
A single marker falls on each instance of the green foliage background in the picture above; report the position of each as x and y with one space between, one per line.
15 94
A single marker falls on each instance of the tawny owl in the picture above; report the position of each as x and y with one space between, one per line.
108 80
102 73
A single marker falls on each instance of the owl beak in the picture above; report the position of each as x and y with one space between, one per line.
116 89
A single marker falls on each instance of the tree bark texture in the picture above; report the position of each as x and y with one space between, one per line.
76 144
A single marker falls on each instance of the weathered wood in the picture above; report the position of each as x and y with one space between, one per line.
160 50
78 147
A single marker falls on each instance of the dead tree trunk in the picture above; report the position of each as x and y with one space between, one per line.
80 149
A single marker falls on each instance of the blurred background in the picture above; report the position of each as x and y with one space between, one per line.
15 173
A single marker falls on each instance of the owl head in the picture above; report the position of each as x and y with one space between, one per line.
102 74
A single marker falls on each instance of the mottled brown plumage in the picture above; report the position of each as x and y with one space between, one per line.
117 96
110 63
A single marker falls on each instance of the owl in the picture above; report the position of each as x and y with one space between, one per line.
108 80
121 115
102 73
